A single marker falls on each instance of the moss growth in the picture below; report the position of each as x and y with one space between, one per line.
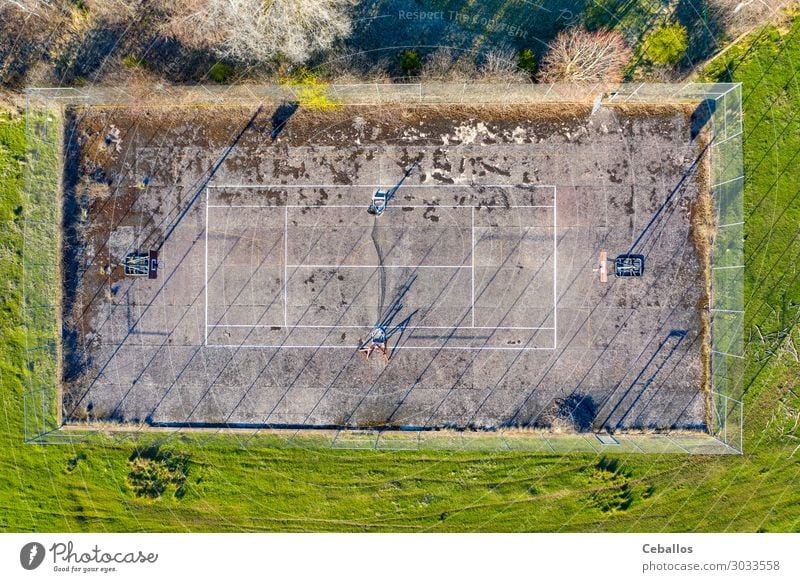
311 91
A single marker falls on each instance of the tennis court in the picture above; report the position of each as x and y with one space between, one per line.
484 270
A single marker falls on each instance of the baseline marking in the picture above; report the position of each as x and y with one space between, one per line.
232 206
335 327
520 186
322 347
380 266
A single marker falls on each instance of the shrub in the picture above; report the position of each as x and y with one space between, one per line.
612 487
153 472
132 62
526 61
220 72
438 64
312 93
410 63
667 45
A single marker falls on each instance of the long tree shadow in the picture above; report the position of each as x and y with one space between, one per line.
76 262
281 117
398 328
575 412
643 379
516 418
79 361
201 188
401 328
701 116
704 28
649 227
265 366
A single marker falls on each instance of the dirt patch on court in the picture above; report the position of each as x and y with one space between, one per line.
703 228
213 126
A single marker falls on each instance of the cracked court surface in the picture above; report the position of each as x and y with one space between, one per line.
484 269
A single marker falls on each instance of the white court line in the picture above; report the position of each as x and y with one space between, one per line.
412 328
380 266
285 265
205 279
472 256
318 347
397 205
522 186
555 268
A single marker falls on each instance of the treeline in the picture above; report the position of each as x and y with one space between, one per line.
75 42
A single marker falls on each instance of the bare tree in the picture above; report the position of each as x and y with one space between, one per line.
113 10
27 6
738 16
437 64
497 64
26 28
444 65
352 66
258 30
577 55
500 64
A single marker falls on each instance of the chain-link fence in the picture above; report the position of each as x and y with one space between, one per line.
42 280
380 93
727 260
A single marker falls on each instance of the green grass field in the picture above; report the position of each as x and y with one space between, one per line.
226 484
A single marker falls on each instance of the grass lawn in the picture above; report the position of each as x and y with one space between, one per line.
232 484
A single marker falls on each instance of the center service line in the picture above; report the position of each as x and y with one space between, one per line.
555 268
285 265
473 266
205 290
